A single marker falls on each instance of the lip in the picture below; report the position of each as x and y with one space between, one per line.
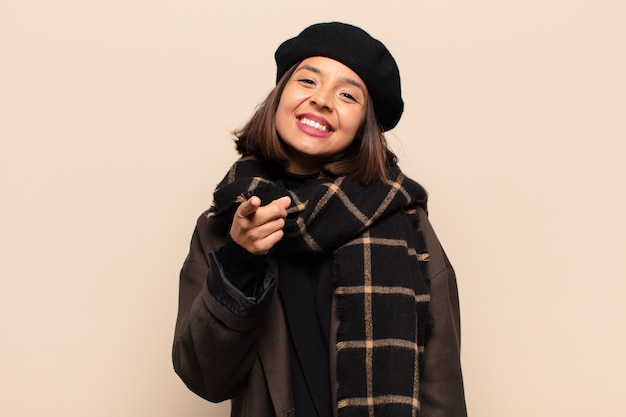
312 131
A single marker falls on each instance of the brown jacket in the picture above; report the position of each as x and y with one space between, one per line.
221 356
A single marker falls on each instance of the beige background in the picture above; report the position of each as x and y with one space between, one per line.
114 129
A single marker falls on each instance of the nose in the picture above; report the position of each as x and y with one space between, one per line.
322 98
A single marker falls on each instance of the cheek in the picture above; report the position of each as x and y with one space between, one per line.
355 120
281 116
285 108
288 98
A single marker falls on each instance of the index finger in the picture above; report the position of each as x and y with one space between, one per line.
249 206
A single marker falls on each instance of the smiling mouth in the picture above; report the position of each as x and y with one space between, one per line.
312 123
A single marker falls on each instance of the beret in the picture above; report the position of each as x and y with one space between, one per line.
357 50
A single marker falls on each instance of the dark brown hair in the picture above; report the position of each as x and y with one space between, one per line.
366 159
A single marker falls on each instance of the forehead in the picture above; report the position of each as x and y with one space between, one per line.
330 67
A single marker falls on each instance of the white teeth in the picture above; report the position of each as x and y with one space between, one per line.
314 124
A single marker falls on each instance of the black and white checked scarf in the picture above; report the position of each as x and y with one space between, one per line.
379 273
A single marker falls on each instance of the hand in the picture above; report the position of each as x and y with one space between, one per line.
257 228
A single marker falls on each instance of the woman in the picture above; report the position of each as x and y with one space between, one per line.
315 285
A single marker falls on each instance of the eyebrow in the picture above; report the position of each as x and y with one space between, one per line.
346 79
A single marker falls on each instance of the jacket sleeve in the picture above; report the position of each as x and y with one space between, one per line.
441 388
217 325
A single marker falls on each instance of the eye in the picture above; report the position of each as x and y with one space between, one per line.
349 97
306 81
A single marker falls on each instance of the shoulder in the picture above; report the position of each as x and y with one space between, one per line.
438 260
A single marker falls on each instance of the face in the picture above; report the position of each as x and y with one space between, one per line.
320 112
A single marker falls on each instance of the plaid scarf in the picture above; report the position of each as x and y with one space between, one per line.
379 274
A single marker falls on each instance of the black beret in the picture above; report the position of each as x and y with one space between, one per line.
356 49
